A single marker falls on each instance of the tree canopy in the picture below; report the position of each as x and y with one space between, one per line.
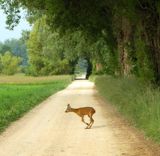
121 36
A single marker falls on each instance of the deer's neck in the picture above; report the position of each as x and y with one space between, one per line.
74 110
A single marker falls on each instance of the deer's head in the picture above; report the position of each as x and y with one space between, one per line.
68 108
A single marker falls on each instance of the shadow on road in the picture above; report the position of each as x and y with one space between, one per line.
100 126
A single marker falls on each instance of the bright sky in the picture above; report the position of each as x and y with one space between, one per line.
16 33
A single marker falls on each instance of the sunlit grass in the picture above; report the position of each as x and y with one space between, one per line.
22 79
16 99
136 100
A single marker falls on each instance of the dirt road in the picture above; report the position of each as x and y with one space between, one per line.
48 131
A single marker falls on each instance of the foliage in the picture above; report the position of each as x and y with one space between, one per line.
46 55
9 63
143 67
106 32
50 52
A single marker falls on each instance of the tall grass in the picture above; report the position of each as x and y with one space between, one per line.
16 99
136 100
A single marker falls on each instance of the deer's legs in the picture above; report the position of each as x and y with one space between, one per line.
91 121
84 121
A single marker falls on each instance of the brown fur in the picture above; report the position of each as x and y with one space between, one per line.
82 112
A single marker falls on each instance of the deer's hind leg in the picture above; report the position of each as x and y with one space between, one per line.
91 121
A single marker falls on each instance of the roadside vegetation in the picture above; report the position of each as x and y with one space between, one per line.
139 102
17 99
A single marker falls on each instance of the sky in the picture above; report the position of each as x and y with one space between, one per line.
16 33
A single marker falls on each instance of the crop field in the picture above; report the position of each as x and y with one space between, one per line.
22 79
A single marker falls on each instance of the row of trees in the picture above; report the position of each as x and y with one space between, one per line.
46 53
119 37
52 53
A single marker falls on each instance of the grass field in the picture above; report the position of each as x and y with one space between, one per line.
22 79
136 100
18 94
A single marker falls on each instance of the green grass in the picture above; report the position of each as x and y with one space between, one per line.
136 100
16 99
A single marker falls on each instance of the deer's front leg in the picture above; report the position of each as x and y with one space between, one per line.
84 121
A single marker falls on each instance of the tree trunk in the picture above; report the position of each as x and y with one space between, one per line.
123 40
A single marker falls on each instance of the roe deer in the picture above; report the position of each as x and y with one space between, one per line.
82 112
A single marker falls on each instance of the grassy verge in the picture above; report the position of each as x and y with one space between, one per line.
137 101
16 99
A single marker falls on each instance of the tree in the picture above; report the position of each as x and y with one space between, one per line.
9 63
